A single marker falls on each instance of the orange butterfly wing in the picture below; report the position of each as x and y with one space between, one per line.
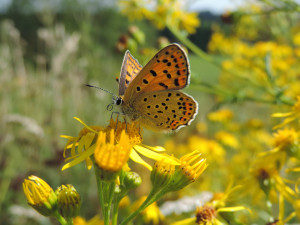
166 110
167 70
129 70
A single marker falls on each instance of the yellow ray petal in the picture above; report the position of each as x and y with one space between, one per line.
155 148
80 158
156 156
136 158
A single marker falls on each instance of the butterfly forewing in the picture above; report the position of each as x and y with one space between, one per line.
167 70
129 70
167 110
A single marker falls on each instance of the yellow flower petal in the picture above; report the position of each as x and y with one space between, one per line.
297 169
136 158
153 155
80 158
155 148
86 126
232 209
66 136
281 114
185 222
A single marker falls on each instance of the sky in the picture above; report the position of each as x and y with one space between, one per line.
215 6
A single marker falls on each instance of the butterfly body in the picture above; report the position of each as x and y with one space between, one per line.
152 95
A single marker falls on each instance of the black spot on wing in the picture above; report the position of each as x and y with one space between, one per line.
128 74
153 73
163 85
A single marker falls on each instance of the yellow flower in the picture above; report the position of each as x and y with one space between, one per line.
289 116
191 167
285 138
206 215
297 207
254 123
164 13
40 195
223 115
110 154
94 221
210 148
210 213
135 9
296 38
151 214
68 200
268 177
125 202
227 139
162 173
83 147
185 21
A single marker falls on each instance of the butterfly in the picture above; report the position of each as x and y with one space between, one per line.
151 94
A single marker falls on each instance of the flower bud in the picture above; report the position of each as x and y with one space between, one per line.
40 195
191 167
131 180
162 173
68 201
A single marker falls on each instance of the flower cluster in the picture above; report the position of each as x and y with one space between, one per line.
167 13
108 149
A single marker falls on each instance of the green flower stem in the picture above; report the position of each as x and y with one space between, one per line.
209 88
270 209
115 212
154 195
70 221
106 205
150 199
100 189
60 219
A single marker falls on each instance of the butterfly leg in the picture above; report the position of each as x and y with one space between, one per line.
111 115
117 119
140 129
125 123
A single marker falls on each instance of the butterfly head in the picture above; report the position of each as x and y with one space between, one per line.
118 100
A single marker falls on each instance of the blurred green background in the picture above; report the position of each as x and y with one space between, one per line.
48 52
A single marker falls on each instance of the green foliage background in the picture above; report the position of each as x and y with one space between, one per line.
48 52
46 58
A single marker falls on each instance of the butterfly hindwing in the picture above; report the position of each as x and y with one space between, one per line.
129 70
167 110
167 70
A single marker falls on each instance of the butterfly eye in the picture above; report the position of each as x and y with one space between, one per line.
119 101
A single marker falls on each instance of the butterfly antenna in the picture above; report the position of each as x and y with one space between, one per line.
114 96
